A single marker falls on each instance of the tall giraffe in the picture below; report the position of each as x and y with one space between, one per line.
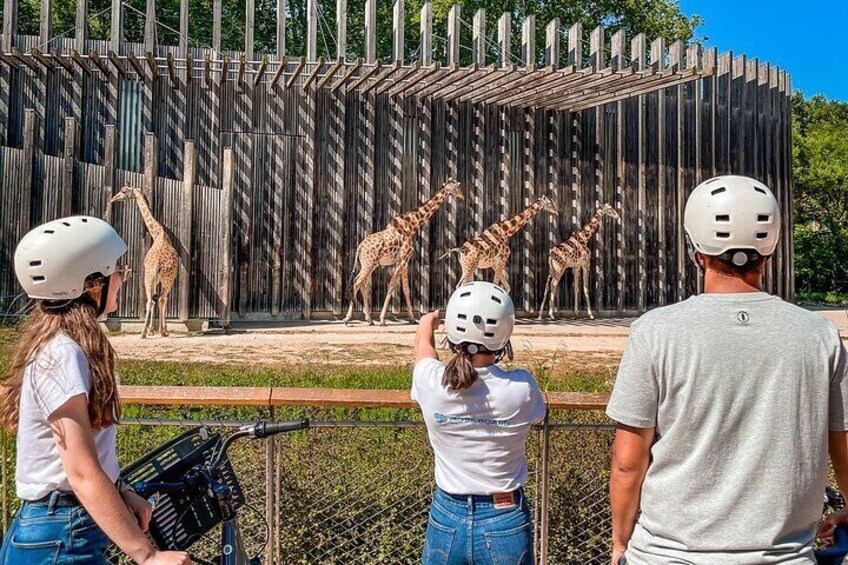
161 264
574 254
490 249
393 247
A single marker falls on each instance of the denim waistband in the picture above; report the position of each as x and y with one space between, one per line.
477 500
56 499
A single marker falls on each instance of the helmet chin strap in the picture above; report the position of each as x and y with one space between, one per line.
104 296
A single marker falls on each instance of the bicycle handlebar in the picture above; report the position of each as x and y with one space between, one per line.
265 428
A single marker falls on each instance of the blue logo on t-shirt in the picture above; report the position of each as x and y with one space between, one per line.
442 419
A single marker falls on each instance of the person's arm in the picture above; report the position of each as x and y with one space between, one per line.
425 340
75 441
631 454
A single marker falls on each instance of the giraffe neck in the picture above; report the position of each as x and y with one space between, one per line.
155 228
590 228
412 221
511 226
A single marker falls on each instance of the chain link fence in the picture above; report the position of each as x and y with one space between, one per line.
357 491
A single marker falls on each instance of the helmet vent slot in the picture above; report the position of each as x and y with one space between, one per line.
760 190
723 235
462 316
49 231
35 263
488 334
491 322
459 329
464 294
762 235
84 220
66 224
718 191
764 218
496 299
723 218
39 278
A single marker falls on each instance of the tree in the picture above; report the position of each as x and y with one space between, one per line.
820 161
655 18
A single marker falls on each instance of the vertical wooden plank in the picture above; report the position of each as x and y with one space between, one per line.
528 163
637 55
71 156
398 28
505 38
311 30
598 56
617 50
738 100
659 62
341 30
528 41
10 23
337 200
184 24
427 34
217 7
185 235
553 42
575 44
226 237
281 27
723 119
116 33
370 31
425 125
110 144
711 60
479 37
29 148
249 19
575 57
675 55
81 28
45 28
149 26
150 175
453 34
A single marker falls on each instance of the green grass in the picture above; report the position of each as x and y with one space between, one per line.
824 298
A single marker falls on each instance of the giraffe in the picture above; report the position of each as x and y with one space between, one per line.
574 254
490 249
161 264
393 247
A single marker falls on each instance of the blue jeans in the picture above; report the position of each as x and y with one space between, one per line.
45 533
469 530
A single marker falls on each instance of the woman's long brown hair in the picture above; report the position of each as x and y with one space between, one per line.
78 320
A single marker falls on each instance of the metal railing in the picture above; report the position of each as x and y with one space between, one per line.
356 487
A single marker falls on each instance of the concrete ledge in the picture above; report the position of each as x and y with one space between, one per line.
175 326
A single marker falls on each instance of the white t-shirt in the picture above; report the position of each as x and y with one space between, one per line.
478 434
58 373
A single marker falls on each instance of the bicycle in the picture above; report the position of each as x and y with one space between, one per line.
193 488
837 552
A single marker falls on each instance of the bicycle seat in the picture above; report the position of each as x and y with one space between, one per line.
835 554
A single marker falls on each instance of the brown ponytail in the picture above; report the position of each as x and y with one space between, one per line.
460 372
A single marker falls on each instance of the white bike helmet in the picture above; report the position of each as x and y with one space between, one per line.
734 216
53 260
480 313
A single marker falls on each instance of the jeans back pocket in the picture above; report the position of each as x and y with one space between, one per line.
437 543
510 547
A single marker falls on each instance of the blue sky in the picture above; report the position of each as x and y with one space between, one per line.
807 38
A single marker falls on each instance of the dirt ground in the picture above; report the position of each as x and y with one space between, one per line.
582 344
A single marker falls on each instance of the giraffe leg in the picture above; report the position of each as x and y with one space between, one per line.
576 292
469 266
390 291
555 280
501 276
545 297
404 280
585 269
366 298
150 283
358 283
163 323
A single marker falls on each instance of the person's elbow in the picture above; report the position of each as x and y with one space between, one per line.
86 479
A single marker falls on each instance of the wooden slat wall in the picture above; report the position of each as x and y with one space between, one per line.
316 171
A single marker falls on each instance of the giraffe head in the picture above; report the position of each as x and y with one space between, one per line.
547 204
452 188
126 193
608 210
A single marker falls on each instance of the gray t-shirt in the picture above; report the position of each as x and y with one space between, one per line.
742 390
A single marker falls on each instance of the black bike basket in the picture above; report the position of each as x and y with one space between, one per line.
181 518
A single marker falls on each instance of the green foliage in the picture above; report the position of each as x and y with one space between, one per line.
820 167
655 18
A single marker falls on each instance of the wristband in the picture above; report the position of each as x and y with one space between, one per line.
123 486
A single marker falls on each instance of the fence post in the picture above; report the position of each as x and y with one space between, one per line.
109 143
10 23
270 504
71 154
226 238
29 172
186 214
149 182
545 488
